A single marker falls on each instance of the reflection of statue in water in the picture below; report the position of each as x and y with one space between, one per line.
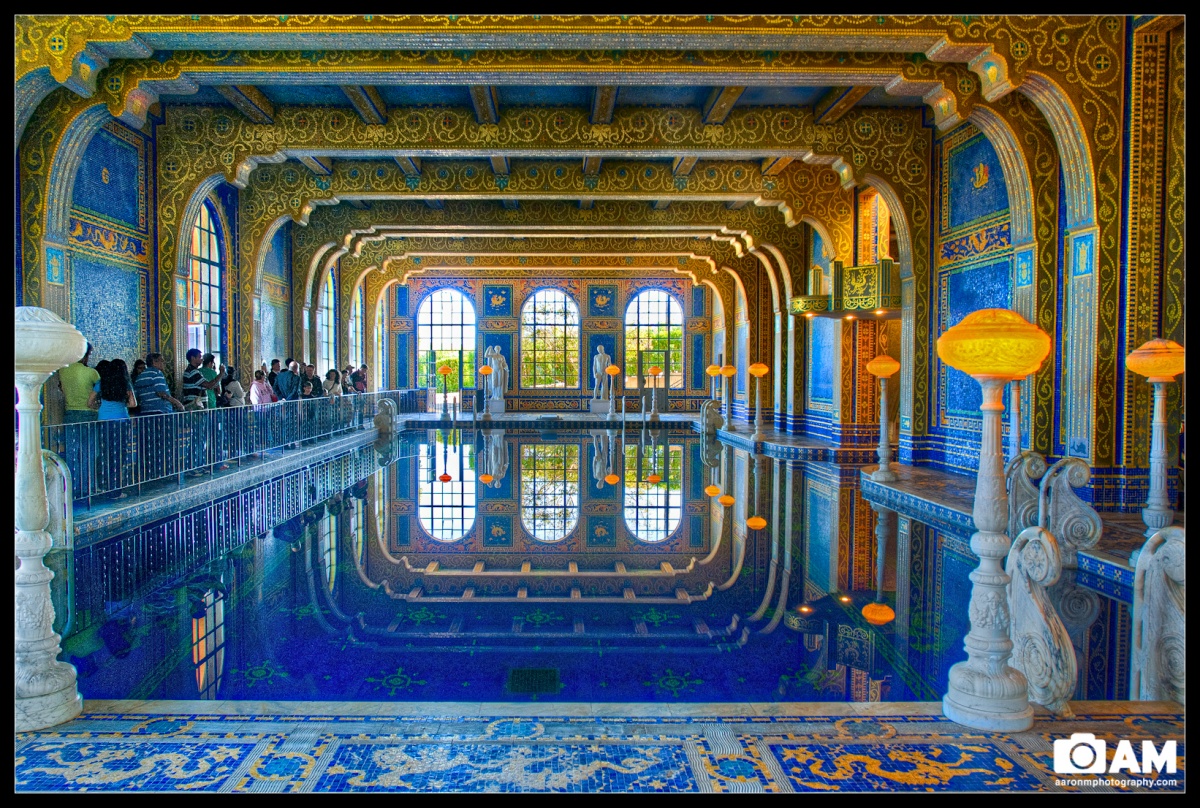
599 462
497 457
499 366
599 363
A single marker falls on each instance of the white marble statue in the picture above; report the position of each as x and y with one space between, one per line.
1159 665
599 364
499 365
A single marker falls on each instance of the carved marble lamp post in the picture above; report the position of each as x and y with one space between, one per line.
879 613
45 687
758 370
993 346
1160 361
655 372
884 367
613 371
727 371
713 372
444 372
486 373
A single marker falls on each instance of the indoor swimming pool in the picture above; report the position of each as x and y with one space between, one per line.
567 566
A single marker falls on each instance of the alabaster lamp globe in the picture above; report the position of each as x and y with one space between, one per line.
655 370
712 490
756 523
654 479
444 370
444 478
758 370
1159 360
486 478
996 343
728 370
486 370
725 499
612 370
883 366
878 614
713 370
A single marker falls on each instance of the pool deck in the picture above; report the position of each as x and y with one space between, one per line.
261 747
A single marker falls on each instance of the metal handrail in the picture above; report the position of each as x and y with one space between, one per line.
105 457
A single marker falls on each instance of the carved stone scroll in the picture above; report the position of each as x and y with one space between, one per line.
1159 666
1020 474
1073 522
1042 647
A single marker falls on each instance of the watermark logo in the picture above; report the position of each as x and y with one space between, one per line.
1084 753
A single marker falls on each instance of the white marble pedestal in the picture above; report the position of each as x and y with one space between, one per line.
598 407
495 406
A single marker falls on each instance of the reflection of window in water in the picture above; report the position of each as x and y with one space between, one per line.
549 490
358 528
208 643
446 509
327 547
378 497
653 510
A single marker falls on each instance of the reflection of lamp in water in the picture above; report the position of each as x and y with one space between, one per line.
486 373
655 371
756 523
612 371
1160 361
725 499
712 490
611 479
758 370
444 372
993 346
727 371
879 613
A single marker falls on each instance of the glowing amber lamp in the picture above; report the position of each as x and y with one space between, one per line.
655 370
712 490
995 343
756 523
444 478
844 598
758 370
486 478
1159 360
713 370
612 370
725 499
882 366
444 370
878 614
486 370
611 479
654 479
728 370
805 609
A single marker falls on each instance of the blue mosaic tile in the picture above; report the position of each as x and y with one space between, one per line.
88 765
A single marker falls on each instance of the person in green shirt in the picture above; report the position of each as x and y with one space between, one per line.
208 369
77 381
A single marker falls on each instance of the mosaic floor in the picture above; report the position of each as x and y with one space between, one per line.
306 746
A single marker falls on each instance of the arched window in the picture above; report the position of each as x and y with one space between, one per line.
549 340
446 336
357 322
446 508
654 330
380 358
205 320
326 332
653 510
549 490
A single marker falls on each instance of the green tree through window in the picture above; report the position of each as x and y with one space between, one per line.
550 341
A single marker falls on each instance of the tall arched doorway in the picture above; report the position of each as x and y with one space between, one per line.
446 336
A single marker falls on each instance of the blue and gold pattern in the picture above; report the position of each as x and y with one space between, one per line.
748 752
497 301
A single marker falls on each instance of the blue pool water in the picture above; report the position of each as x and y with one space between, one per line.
505 567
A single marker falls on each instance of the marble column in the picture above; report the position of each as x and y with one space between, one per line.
45 691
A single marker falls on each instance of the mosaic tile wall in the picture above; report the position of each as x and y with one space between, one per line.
275 301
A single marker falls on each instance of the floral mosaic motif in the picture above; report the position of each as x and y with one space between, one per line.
674 683
263 673
419 616
655 617
539 618
87 766
396 681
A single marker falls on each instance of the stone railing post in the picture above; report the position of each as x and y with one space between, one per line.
45 691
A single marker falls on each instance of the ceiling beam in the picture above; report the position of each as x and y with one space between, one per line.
591 165
836 103
683 166
720 103
499 164
773 165
483 98
604 101
411 166
737 204
510 204
662 204
249 101
321 166
367 103
358 203
586 204
436 204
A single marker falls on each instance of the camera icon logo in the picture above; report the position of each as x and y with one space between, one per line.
1082 753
